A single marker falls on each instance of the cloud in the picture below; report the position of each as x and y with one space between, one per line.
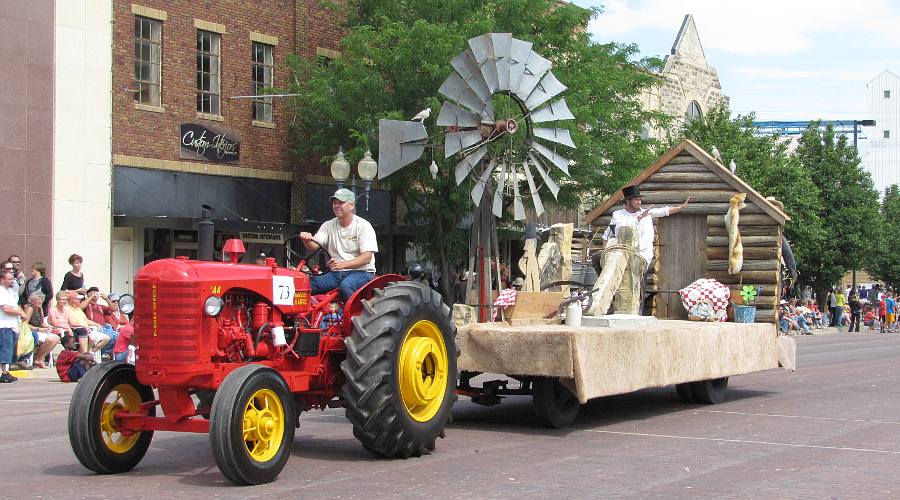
763 27
773 73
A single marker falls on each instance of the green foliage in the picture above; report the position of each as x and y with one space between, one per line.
885 259
395 56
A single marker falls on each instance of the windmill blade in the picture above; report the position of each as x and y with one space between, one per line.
556 110
483 49
561 162
455 142
497 207
478 189
557 135
452 115
399 144
518 206
534 71
465 166
535 197
518 57
457 90
548 88
502 43
470 71
551 184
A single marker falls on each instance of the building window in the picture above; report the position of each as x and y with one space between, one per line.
262 78
147 36
693 112
887 94
208 72
887 134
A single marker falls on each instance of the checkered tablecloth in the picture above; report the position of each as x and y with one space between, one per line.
708 290
505 299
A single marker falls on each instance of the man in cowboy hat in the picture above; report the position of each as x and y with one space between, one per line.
634 215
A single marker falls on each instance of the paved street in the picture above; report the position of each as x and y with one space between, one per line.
830 429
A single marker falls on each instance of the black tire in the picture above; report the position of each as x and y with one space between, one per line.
259 388
685 393
92 429
710 392
386 421
555 405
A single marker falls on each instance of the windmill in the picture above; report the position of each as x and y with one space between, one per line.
498 122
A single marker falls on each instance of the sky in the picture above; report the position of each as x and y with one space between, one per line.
783 60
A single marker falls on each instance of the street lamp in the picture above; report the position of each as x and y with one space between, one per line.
367 169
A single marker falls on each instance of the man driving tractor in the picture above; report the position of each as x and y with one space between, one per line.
351 244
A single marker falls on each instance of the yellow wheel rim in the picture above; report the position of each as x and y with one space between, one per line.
422 370
263 425
123 397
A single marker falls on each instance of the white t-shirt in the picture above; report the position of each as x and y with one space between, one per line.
346 243
8 298
623 217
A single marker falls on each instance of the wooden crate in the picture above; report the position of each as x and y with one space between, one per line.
533 305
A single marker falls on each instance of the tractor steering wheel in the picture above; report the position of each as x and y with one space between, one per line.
302 259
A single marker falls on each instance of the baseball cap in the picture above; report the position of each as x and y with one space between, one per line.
75 295
93 289
518 282
262 255
344 194
113 297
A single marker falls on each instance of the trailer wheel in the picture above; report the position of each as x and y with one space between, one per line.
554 403
251 426
710 392
400 370
685 393
93 428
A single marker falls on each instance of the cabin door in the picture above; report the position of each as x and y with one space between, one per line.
682 260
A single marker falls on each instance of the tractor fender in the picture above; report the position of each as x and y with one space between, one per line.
354 303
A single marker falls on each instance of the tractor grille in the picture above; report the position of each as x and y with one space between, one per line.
168 322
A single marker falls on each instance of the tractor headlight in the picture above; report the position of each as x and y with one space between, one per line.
126 304
212 306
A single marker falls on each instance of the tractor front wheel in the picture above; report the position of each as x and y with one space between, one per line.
94 432
251 425
400 370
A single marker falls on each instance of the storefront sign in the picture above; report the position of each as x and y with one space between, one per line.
248 237
206 143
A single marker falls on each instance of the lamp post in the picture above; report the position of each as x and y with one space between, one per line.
367 169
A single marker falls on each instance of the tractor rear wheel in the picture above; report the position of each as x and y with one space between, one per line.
400 370
251 425
93 428
554 403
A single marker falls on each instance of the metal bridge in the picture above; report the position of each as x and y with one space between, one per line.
798 127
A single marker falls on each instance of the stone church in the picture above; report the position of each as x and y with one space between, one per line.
689 86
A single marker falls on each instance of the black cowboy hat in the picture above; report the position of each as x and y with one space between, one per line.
631 192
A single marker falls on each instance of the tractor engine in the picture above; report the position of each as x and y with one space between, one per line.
248 329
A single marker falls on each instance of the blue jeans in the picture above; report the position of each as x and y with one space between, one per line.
347 281
113 335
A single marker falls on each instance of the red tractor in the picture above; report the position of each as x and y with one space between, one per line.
239 351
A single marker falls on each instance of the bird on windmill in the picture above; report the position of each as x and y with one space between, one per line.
433 169
421 116
716 154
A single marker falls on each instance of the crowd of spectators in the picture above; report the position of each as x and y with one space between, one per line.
89 331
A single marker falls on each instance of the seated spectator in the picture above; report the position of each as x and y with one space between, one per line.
869 318
97 313
119 322
92 338
44 338
71 365
818 321
37 280
799 318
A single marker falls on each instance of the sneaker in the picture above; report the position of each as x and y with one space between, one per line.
6 378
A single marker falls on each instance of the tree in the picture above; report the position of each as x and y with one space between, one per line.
885 260
848 205
395 56
765 163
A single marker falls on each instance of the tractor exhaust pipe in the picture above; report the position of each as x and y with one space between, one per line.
205 229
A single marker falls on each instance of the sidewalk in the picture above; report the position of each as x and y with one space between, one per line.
36 373
830 330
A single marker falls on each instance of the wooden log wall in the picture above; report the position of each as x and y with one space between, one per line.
685 176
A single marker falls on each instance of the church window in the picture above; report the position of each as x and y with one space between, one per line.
693 112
